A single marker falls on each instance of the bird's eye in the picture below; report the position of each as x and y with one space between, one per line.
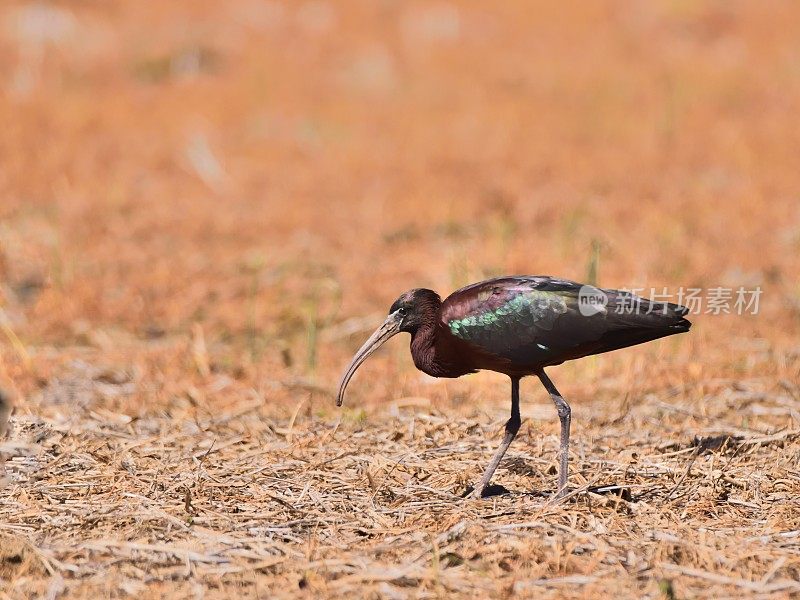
401 312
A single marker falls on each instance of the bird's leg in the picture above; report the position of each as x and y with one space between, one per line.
564 415
512 427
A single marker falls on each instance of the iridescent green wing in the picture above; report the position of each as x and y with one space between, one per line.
504 316
537 319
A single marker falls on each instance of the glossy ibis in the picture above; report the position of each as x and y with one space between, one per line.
518 326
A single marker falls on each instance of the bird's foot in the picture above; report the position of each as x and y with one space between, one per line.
473 493
621 491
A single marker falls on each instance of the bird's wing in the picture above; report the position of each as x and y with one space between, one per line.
536 320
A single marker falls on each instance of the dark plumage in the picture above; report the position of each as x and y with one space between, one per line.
518 326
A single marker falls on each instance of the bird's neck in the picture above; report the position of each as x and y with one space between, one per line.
433 351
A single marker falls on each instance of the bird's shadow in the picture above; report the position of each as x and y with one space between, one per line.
493 490
489 491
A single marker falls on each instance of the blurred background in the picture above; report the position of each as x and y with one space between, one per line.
201 199
206 207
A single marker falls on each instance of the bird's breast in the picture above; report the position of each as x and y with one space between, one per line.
436 355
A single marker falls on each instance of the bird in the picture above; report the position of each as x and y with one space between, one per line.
518 326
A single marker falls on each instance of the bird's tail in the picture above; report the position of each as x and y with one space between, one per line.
634 311
637 320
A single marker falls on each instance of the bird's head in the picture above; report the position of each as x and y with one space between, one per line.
408 313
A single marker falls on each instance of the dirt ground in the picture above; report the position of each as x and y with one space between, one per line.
205 208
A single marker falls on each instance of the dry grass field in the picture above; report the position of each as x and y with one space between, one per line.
205 208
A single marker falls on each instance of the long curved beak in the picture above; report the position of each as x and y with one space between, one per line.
390 327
